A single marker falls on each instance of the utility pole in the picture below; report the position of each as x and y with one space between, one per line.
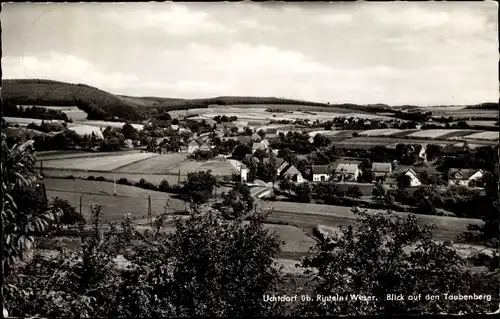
150 220
114 187
81 206
179 177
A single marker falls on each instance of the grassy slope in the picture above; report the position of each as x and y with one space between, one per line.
54 93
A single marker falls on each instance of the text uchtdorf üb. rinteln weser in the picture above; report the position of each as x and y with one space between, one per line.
358 297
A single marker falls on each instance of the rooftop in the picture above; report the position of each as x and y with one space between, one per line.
321 169
381 167
347 168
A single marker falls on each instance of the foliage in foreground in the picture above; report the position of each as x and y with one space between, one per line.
386 254
207 267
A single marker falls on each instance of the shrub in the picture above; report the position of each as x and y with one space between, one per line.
164 186
124 181
100 179
145 184
176 189
70 177
90 178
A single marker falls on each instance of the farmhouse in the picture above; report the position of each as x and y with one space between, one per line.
265 142
193 146
465 177
243 139
205 147
414 181
346 172
174 127
292 172
381 170
271 131
258 146
321 173
244 173
255 137
251 159
129 143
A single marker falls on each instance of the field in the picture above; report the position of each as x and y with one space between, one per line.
105 124
173 163
345 214
101 163
433 133
128 199
134 201
480 123
133 177
465 113
258 113
457 134
72 112
60 155
380 132
25 121
82 129
489 135
159 164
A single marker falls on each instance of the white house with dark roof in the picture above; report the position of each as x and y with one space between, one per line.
292 172
259 146
193 146
346 172
381 169
414 181
205 147
321 173
466 177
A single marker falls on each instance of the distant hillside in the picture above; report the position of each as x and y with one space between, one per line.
242 100
99 104
484 106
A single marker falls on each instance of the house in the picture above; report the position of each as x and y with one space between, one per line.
414 181
422 149
185 130
258 146
193 146
321 173
271 131
251 159
205 147
174 127
381 170
281 164
129 143
244 173
346 172
292 172
243 139
265 142
465 177
255 137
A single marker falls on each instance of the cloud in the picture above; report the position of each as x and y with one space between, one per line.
415 17
176 20
242 58
252 24
335 19
68 68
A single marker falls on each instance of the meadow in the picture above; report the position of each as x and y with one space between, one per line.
489 135
380 132
436 133
100 163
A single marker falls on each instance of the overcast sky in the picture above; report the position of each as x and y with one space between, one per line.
395 53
